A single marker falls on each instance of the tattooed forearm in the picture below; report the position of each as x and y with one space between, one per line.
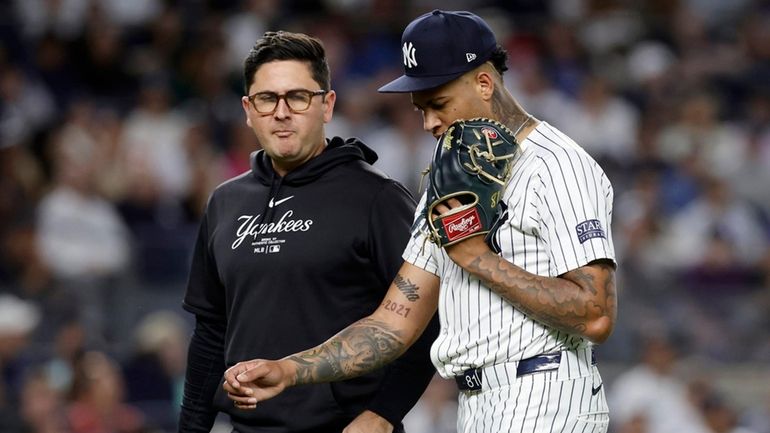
586 280
567 306
406 287
610 292
358 349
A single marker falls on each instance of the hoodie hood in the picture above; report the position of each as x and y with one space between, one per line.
338 151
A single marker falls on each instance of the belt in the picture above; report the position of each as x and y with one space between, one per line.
472 379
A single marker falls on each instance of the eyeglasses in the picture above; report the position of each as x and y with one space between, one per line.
297 100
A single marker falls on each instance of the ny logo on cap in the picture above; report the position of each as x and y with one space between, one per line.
409 52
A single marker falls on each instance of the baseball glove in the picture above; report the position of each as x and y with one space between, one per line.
472 163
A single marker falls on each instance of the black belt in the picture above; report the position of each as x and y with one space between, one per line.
472 379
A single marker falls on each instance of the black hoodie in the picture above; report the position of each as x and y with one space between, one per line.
283 263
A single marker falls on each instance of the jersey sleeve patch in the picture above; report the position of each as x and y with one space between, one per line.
590 229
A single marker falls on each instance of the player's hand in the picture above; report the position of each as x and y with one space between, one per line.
369 422
464 252
445 206
249 382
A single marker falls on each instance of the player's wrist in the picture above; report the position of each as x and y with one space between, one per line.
465 252
289 372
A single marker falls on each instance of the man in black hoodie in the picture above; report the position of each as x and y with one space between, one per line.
291 252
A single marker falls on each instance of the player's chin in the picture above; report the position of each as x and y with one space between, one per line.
287 149
284 143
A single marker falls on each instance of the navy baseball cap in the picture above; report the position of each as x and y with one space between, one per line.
440 46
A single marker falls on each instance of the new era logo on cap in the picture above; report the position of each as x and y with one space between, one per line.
448 43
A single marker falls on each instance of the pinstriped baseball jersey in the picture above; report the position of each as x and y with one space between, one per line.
560 207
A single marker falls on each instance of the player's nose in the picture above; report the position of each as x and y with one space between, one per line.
282 110
432 124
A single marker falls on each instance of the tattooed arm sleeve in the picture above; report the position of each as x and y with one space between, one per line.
360 348
580 302
376 340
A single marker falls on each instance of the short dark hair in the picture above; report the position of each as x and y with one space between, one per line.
282 45
499 58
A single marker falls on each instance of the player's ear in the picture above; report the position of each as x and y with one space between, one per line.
246 106
328 105
485 84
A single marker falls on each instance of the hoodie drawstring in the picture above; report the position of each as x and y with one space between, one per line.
275 186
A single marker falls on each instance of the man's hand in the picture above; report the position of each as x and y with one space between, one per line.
369 422
250 382
467 250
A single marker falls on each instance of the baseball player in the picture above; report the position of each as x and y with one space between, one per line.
517 327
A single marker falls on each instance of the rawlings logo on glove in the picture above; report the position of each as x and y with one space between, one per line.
462 225
472 163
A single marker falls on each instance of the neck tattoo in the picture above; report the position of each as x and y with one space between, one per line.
522 125
507 111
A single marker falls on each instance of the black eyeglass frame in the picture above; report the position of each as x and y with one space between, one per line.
284 96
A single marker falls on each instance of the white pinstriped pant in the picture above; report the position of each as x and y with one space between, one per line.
570 399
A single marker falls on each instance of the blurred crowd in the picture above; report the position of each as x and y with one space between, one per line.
118 118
